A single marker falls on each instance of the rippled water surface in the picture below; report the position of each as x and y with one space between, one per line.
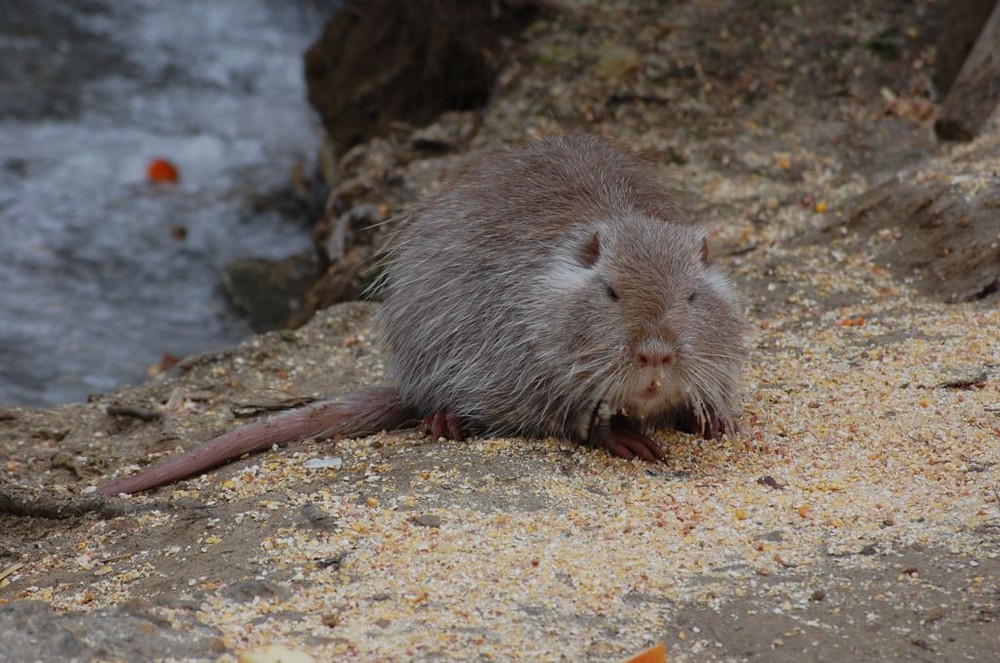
94 282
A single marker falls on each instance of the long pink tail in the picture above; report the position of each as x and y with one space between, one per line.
361 413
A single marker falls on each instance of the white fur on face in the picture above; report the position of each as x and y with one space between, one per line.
565 275
719 284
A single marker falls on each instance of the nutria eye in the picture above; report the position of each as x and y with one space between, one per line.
693 296
612 294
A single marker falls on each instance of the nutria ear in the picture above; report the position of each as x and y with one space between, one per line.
591 250
706 258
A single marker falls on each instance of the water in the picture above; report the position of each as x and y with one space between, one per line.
94 283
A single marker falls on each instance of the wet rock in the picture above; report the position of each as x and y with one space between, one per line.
268 292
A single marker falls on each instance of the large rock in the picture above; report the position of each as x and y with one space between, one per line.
382 61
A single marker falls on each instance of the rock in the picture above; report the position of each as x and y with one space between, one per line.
452 131
245 591
975 94
938 226
962 22
360 218
347 245
385 61
115 633
615 61
268 292
312 516
427 520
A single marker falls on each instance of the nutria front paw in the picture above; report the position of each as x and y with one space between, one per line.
622 440
446 424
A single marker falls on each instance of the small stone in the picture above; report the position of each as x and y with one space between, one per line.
248 590
324 463
614 61
274 654
933 615
427 520
770 482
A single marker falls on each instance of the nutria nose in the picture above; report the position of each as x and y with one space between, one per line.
653 358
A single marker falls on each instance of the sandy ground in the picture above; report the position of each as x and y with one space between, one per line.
856 516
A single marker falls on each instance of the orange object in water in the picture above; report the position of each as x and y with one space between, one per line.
657 654
161 170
